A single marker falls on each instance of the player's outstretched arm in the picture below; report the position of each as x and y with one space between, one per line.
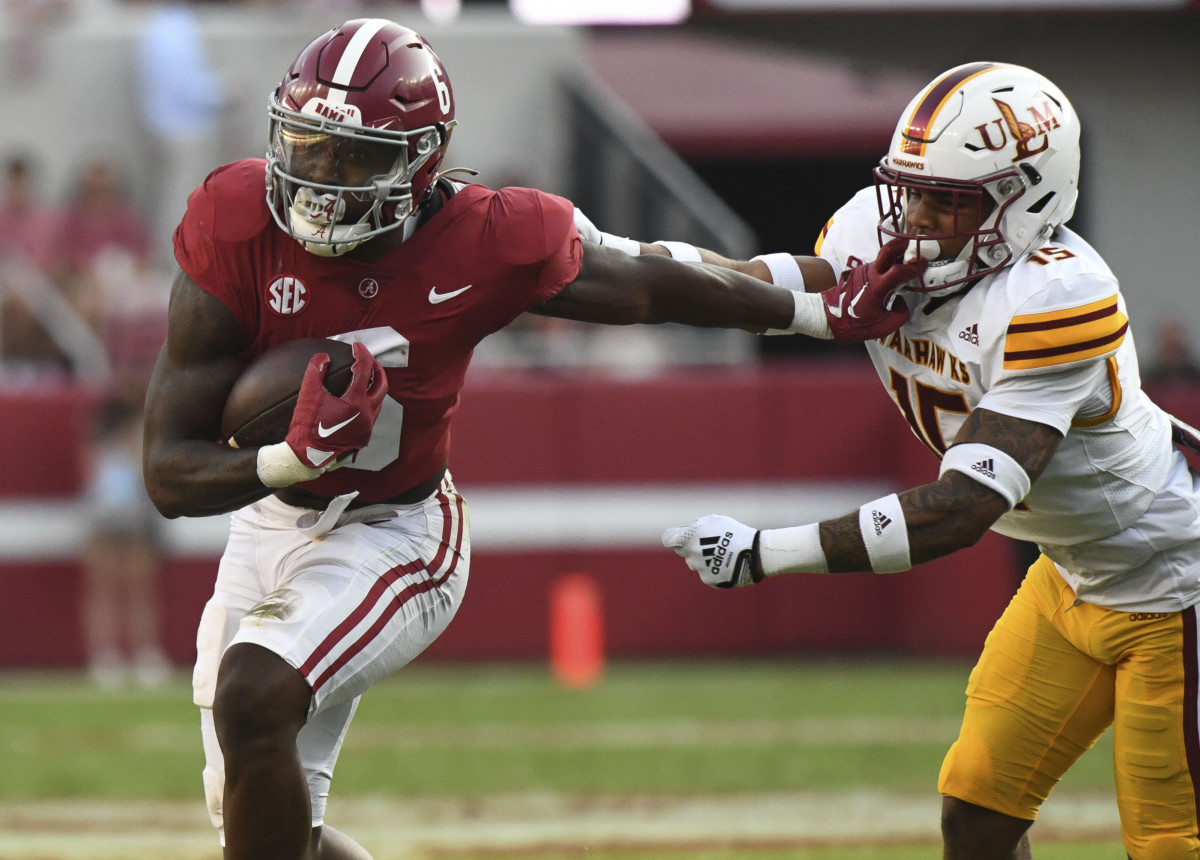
618 289
985 473
783 270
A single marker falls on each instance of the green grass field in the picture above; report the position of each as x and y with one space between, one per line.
763 760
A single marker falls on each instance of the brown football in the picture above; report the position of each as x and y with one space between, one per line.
259 408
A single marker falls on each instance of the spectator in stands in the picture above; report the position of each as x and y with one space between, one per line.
30 221
182 101
101 223
26 249
122 553
1175 364
103 253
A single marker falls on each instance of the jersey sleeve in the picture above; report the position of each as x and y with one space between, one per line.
193 238
535 232
212 241
1053 357
851 235
1067 323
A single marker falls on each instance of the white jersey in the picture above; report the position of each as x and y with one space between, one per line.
1046 339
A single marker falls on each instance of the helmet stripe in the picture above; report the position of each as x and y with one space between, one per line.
916 130
350 58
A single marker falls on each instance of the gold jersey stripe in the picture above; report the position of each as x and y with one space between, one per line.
1060 337
821 239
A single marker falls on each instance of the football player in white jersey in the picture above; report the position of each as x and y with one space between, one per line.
1017 368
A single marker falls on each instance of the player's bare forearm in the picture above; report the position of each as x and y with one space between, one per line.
955 511
943 517
197 479
818 274
617 289
188 471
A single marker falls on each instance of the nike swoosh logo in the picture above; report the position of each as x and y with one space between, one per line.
324 431
437 298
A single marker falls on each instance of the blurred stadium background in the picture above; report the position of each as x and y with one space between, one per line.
740 128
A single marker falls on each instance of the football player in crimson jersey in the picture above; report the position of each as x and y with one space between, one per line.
1017 368
349 548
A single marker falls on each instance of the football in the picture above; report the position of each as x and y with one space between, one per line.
259 407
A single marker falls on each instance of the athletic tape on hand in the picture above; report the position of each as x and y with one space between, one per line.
278 466
792 550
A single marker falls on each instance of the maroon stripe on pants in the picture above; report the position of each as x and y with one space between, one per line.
417 588
1191 703
368 603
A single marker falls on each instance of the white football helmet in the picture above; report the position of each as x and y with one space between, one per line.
981 129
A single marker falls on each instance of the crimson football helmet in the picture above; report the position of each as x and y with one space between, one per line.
358 128
1000 140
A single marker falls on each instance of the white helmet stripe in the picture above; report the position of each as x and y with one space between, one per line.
358 43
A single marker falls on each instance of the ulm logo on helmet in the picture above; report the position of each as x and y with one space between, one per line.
345 114
1022 133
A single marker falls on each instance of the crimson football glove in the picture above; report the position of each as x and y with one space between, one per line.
325 427
723 551
863 305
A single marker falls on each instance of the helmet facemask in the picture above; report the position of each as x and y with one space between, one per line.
333 219
977 209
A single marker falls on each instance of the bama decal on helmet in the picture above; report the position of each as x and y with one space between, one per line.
920 121
1024 134
340 113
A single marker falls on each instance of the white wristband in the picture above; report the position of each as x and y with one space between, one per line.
681 251
632 247
885 534
792 550
785 270
278 466
990 467
809 318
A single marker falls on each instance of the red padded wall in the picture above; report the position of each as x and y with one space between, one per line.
820 421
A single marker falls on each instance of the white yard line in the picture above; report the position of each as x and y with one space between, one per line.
394 828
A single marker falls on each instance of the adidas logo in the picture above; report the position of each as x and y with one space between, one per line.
987 468
970 334
715 551
881 520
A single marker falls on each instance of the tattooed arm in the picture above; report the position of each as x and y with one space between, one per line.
893 533
955 511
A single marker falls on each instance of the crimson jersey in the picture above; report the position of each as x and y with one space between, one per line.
486 257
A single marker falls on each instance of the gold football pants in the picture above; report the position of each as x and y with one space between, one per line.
1053 675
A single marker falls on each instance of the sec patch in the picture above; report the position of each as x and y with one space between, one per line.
287 296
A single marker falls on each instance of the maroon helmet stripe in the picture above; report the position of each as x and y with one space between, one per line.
916 130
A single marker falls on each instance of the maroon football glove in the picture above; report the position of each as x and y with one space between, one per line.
325 427
861 306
